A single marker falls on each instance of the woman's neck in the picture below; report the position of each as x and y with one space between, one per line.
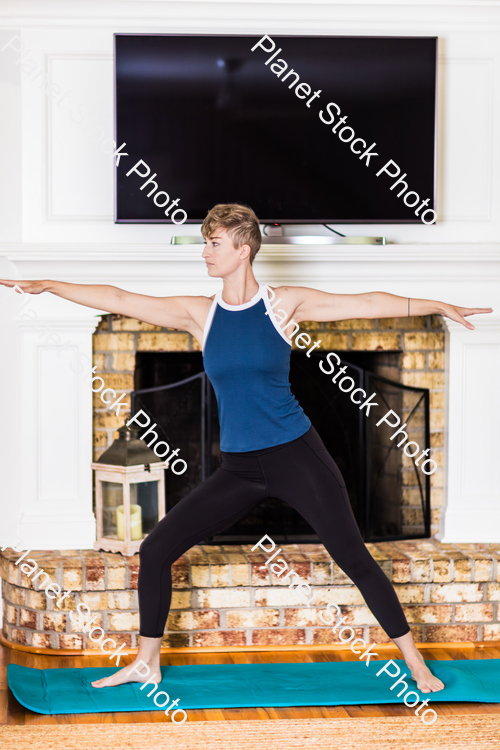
237 291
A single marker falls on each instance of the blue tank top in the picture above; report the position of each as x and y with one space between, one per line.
246 356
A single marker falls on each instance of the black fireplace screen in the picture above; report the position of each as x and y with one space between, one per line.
389 494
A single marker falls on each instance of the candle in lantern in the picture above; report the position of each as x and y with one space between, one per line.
135 522
128 475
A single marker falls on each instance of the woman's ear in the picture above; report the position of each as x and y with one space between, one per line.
245 251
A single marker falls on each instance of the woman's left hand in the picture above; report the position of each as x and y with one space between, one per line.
458 313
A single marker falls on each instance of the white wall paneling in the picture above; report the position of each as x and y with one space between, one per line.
47 443
473 435
79 165
468 149
11 434
10 145
56 413
57 402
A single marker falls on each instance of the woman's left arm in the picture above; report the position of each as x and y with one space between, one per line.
311 304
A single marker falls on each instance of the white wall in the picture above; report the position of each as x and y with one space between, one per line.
10 145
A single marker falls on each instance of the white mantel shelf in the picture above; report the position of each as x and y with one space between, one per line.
139 253
426 271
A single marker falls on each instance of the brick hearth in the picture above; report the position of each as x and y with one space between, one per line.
226 596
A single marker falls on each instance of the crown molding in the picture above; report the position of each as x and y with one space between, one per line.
240 16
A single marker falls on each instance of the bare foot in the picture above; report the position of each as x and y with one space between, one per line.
137 671
420 672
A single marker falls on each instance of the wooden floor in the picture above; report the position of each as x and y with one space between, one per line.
11 712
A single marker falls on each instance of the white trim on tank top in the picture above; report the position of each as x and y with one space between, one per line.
244 306
272 315
208 322
261 294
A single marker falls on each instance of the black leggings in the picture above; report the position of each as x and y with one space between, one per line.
303 474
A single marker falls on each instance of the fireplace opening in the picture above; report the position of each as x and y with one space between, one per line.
176 393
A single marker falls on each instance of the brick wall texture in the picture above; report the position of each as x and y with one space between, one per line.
420 341
227 596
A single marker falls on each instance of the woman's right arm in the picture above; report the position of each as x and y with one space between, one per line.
182 313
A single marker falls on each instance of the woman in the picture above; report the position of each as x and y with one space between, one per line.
268 446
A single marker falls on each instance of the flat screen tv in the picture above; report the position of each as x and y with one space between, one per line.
222 119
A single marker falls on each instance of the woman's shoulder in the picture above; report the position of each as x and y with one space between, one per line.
293 294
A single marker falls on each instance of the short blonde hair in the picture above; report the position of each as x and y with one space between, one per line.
239 221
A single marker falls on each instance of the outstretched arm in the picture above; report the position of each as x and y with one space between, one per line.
183 313
311 304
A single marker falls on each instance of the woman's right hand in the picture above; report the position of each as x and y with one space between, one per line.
27 287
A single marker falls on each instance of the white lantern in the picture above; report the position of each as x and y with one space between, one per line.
130 493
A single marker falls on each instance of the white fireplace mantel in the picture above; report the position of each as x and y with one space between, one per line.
46 440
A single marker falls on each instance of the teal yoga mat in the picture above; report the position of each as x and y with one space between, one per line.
68 691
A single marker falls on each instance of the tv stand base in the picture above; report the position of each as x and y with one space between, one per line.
299 239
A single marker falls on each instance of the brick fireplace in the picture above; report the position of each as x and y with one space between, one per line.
418 340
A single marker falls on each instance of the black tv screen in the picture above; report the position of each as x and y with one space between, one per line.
217 122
